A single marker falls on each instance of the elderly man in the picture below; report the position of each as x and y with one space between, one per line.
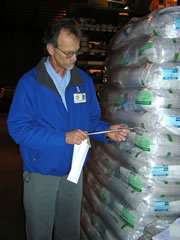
54 107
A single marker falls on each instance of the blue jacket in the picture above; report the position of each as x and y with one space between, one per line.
38 119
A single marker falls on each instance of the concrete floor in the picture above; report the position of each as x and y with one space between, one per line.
12 223
11 206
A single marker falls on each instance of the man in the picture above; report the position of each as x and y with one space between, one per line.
54 107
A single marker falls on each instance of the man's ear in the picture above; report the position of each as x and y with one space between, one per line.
50 49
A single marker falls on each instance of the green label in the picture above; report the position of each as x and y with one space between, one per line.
118 100
102 195
142 142
94 220
106 163
170 138
135 182
144 47
137 154
144 97
123 60
128 217
176 56
155 33
115 219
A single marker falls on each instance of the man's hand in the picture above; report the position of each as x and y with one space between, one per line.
76 136
117 136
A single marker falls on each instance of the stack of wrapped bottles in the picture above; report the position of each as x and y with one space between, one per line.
132 188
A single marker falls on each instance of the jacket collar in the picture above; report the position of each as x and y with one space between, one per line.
44 78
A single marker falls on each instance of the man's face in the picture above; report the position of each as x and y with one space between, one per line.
67 44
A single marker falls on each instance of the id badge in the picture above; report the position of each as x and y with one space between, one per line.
79 97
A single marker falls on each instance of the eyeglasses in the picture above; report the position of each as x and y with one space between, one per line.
70 54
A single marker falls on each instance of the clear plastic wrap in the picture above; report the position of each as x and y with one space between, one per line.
83 235
149 201
116 224
137 182
139 99
162 22
157 144
165 121
148 49
156 76
139 222
156 227
90 230
150 184
142 162
132 217
95 227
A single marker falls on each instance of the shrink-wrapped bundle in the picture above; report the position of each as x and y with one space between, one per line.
165 121
132 217
144 163
119 202
83 234
161 22
91 231
108 198
136 182
149 201
118 226
93 225
139 99
141 162
147 49
157 76
143 184
160 145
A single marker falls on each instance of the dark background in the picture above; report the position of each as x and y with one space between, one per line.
23 23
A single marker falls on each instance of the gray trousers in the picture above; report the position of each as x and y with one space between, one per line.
52 207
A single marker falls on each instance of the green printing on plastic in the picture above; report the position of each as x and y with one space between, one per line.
94 220
137 154
170 90
142 82
176 56
144 47
144 97
102 195
114 218
128 217
170 138
142 142
124 225
135 182
169 105
122 60
155 33
166 182
107 163
119 100
168 154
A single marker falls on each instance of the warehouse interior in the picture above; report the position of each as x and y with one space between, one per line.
24 23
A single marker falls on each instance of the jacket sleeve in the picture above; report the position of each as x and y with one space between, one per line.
22 124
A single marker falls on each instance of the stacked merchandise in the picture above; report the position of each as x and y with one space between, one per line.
132 188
